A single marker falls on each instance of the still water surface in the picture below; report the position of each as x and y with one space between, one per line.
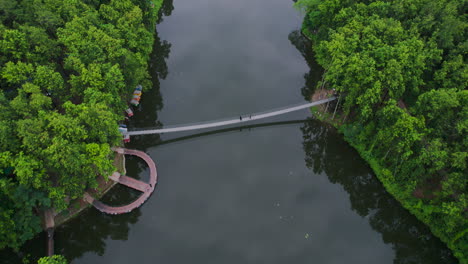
287 191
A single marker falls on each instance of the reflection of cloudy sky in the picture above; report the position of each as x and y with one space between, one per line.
236 54
246 197
239 197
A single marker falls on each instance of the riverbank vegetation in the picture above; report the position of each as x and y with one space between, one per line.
400 67
55 259
67 69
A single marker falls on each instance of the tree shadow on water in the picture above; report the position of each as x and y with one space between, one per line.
86 233
166 9
146 114
314 76
327 152
89 232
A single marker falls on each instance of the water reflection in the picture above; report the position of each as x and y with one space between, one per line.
86 233
312 78
411 240
230 129
166 10
31 250
151 102
89 231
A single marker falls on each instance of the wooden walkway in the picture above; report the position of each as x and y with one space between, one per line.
230 121
50 242
49 225
146 188
130 182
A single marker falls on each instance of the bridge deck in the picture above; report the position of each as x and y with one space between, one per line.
236 120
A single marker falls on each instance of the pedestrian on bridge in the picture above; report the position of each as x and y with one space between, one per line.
240 118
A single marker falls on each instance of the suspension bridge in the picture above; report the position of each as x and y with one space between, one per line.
148 188
228 121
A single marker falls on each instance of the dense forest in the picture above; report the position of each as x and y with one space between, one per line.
67 70
400 69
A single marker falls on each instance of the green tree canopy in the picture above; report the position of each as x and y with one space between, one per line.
67 70
400 67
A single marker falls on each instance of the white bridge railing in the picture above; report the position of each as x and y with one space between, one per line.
228 121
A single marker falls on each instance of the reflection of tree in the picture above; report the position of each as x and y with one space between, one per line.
158 66
32 249
315 74
88 232
146 115
412 241
166 9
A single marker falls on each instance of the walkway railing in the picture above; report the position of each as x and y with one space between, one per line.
147 189
229 121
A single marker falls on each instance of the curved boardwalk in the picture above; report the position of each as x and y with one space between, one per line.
245 118
49 225
146 188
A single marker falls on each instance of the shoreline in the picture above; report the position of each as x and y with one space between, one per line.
379 171
79 205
